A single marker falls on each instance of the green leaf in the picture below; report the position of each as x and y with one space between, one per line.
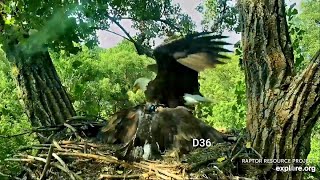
234 107
221 159
299 60
248 145
238 51
119 172
76 64
294 12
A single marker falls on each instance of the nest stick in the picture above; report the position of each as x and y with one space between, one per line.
109 159
47 165
139 165
220 173
67 170
255 151
74 130
107 176
56 144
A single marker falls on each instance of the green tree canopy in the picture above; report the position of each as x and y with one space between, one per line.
58 24
100 80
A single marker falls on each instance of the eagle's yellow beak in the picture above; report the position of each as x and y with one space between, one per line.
135 88
141 84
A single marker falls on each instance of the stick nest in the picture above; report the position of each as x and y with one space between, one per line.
81 157
79 160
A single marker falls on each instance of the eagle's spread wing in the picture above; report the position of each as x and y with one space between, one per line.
178 64
196 51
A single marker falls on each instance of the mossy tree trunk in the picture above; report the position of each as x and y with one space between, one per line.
282 107
45 99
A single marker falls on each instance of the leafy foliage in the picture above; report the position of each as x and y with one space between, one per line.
12 118
297 34
220 15
100 81
226 87
314 155
57 24
304 31
310 20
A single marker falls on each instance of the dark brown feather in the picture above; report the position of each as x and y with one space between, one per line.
178 64
165 129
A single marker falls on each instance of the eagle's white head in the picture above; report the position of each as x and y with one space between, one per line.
141 84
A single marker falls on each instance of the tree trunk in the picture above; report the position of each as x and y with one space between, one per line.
282 107
45 99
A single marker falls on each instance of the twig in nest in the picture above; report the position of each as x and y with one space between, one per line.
19 159
107 176
5 175
195 166
34 130
143 166
29 158
109 159
80 143
34 158
91 119
64 165
236 145
47 165
55 128
236 155
160 175
260 157
73 130
55 143
220 173
9 176
85 147
240 178
45 147
30 172
160 165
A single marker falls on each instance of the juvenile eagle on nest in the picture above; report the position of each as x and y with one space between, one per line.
178 63
163 123
147 135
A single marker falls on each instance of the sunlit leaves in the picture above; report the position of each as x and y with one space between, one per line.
100 81
220 15
12 118
304 31
9 20
226 87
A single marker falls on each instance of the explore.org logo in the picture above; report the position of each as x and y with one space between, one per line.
296 168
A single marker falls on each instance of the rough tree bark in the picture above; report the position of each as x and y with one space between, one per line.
282 107
45 99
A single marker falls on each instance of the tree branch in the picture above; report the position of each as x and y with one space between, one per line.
118 34
164 21
138 46
113 19
304 90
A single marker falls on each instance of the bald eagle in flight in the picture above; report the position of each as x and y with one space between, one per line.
178 63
